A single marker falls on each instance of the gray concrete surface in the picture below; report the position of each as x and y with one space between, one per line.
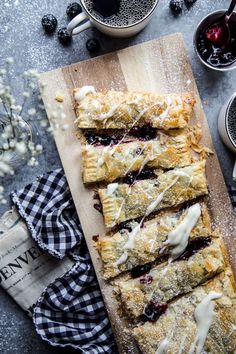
22 37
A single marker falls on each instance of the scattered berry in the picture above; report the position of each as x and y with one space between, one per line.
176 6
49 23
73 9
92 45
63 36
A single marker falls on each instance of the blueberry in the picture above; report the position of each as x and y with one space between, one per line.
73 9
176 6
49 23
92 45
63 36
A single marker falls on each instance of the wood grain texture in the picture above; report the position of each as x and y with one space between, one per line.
161 66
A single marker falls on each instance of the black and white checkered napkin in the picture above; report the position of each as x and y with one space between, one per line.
70 312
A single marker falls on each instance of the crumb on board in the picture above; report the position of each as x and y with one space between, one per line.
59 98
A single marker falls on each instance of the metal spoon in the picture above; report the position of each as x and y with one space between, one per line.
219 32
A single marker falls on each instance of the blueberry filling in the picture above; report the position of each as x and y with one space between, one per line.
153 311
98 204
131 177
138 271
216 54
102 139
98 207
193 247
146 279
144 133
125 225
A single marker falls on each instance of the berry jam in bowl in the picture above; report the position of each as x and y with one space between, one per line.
221 57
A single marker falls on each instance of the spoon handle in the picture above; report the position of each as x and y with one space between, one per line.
230 10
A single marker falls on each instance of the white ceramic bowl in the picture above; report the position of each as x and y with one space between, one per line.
203 24
224 130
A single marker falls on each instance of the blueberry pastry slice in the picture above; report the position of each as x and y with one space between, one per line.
125 110
143 197
141 296
107 163
202 321
149 242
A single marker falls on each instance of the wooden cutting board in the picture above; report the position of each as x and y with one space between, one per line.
162 66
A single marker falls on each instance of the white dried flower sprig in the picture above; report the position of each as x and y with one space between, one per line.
15 132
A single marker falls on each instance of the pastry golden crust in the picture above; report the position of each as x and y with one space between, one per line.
166 281
179 327
146 196
122 110
148 242
111 162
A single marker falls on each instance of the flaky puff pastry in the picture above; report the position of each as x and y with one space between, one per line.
123 110
167 281
148 242
178 326
111 162
146 196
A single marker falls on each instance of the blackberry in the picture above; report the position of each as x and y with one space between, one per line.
92 45
63 36
49 23
73 9
176 6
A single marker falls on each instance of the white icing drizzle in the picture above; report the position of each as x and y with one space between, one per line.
152 244
203 314
111 188
169 100
136 159
130 243
145 161
123 258
163 346
109 114
83 92
163 273
101 158
178 238
95 104
182 173
157 201
119 211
